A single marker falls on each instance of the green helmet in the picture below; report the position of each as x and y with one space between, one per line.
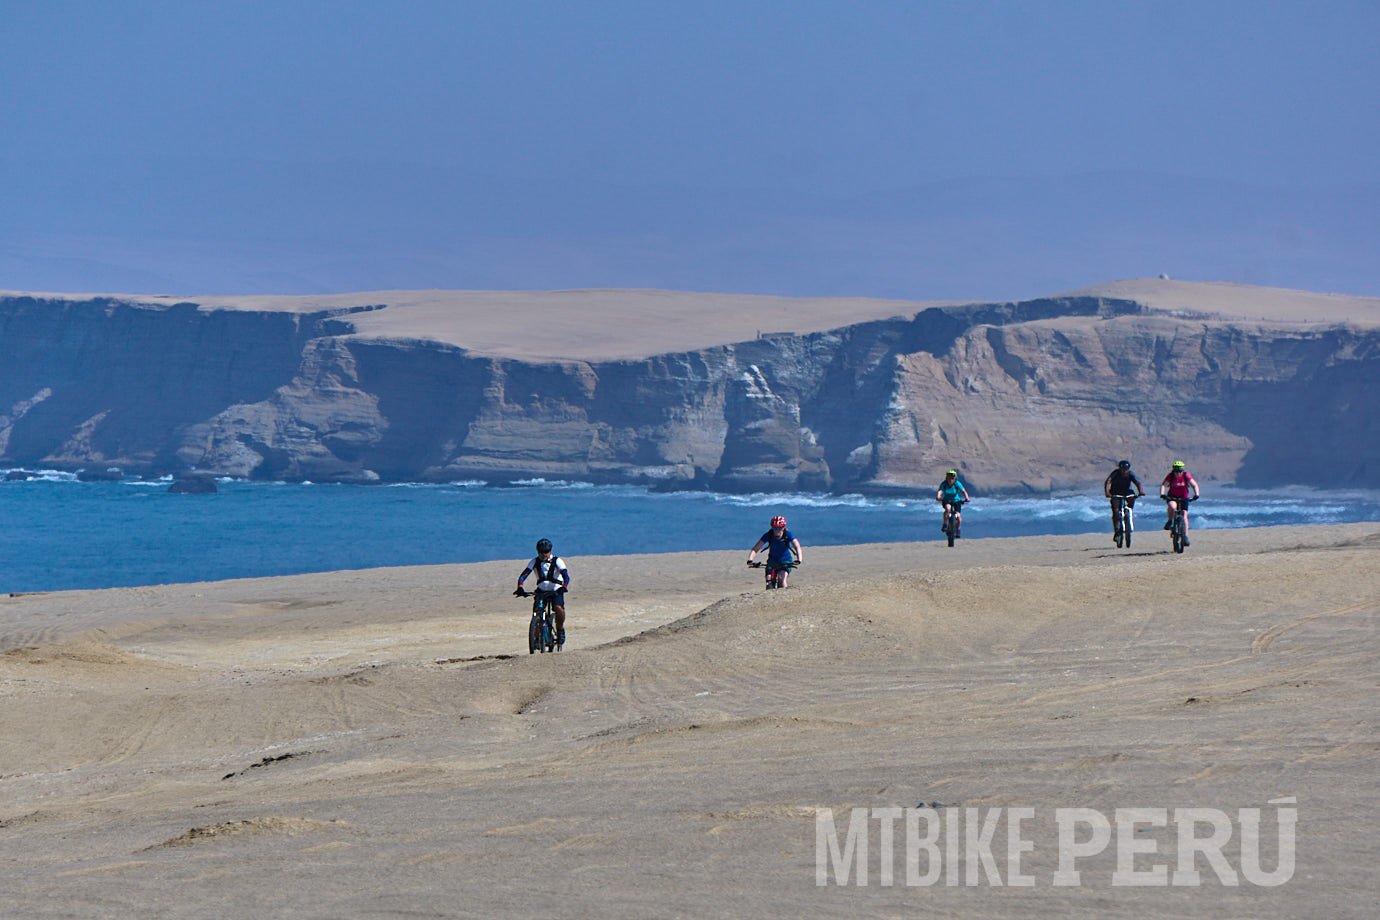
948 473
1178 464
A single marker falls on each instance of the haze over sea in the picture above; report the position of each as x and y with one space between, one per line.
59 533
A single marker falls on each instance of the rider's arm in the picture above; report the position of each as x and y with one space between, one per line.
1107 487
565 573
795 547
1197 493
1136 482
525 572
752 553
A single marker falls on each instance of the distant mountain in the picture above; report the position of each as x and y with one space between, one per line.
679 390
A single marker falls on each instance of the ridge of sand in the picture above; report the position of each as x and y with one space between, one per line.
628 324
353 743
1240 300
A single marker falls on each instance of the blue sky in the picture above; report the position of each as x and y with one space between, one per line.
915 150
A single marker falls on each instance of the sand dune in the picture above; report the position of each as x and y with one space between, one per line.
378 743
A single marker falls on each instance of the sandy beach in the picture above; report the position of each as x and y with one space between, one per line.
378 743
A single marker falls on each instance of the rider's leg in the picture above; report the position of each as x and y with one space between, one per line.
1170 506
1116 518
559 611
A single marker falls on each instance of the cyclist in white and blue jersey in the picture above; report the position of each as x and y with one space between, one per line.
553 580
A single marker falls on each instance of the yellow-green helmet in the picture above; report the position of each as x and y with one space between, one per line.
948 473
1178 464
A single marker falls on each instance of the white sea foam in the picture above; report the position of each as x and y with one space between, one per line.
42 475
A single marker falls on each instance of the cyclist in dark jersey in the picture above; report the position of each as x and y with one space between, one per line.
1121 485
782 548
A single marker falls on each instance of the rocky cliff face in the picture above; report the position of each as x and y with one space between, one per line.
1028 396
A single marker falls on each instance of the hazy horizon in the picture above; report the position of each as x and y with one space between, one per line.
939 151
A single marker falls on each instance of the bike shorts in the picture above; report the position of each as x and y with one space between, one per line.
555 598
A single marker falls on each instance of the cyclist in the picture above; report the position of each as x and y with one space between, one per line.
782 548
1117 487
1176 487
949 493
553 580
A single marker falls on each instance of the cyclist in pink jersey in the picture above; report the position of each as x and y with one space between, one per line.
1179 484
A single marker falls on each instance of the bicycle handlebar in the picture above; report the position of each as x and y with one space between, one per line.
783 565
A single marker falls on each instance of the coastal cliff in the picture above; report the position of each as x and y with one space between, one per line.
1030 396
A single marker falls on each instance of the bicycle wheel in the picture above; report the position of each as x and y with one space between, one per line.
1127 524
549 632
950 525
1176 534
533 635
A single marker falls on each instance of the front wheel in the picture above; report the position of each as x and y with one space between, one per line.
534 630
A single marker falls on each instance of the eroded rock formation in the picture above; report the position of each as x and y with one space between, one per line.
1027 396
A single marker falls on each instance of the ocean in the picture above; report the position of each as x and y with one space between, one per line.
57 533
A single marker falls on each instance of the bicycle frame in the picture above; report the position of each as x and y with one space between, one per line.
776 572
1178 524
953 519
541 630
1124 515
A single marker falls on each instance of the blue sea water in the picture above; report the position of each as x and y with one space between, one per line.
58 533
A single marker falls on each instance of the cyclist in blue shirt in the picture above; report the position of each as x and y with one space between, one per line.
782 548
952 492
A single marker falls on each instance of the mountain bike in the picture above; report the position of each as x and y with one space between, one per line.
776 572
541 631
953 521
1123 513
1178 524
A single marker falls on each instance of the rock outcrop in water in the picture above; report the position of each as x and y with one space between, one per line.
1028 396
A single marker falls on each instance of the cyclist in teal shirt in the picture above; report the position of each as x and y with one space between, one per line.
952 492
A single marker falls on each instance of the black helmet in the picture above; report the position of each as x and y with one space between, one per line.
543 545
1124 464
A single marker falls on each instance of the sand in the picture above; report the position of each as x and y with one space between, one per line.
587 325
1244 301
378 743
608 325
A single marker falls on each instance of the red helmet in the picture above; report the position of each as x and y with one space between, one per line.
778 521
